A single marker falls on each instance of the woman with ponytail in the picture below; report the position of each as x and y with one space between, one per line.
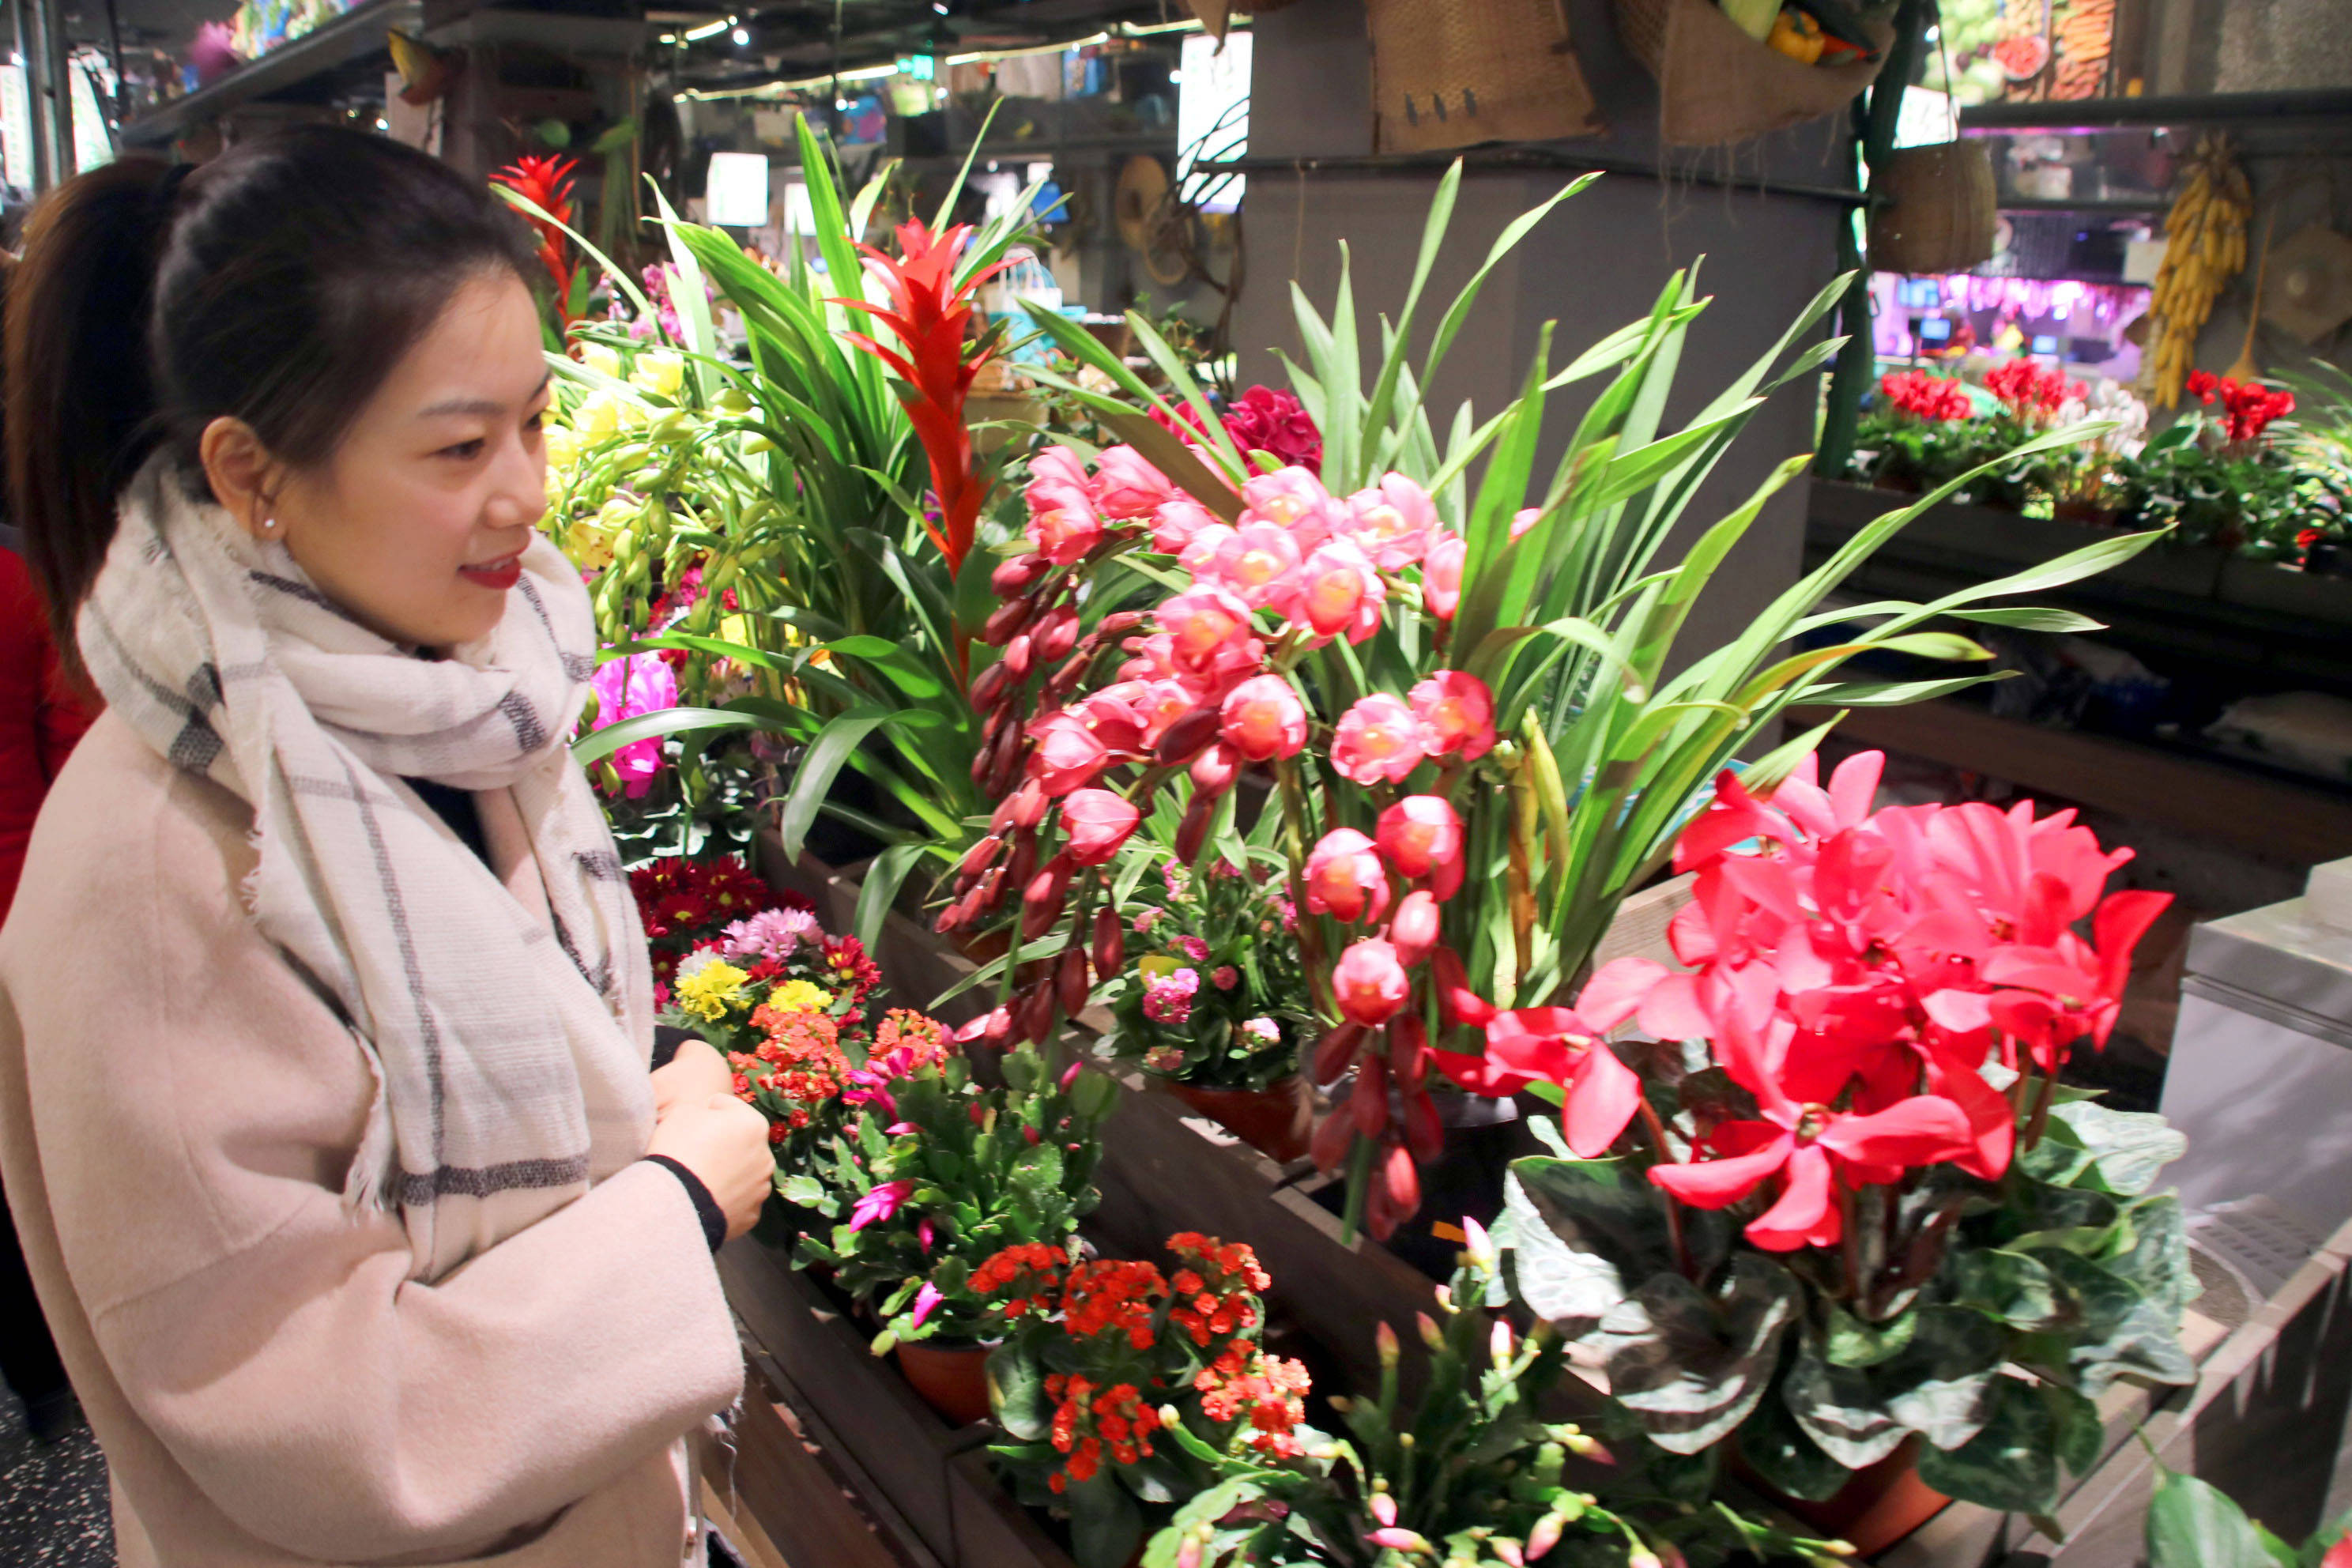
326 1114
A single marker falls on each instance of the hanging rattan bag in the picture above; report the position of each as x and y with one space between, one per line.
1454 73
1943 213
1716 84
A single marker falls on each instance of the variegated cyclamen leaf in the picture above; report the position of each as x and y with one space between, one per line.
1690 1366
1938 1386
1569 1285
2129 1147
2010 1462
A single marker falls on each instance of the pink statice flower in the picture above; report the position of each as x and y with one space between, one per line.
626 688
1170 1001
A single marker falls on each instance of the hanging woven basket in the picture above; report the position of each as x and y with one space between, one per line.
1454 73
1716 84
1943 213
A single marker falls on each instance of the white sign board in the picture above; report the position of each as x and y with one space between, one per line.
737 193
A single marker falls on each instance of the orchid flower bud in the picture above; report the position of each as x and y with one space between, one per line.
1368 1105
1413 929
992 685
1194 830
1335 1051
979 857
1028 805
1018 575
1018 653
1110 942
1333 1136
1070 978
1215 769
1400 1180
1058 633
1004 621
1408 1049
1184 738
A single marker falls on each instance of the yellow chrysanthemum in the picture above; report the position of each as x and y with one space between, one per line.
799 996
710 991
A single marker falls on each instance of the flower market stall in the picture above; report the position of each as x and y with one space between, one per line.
1282 829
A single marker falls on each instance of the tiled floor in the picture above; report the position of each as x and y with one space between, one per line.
53 1512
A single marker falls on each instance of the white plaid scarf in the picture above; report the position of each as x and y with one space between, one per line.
511 1056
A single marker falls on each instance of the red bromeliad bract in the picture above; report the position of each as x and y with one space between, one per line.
547 183
930 314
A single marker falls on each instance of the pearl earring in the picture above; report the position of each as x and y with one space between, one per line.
268 525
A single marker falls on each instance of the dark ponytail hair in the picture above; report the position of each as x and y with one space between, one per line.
278 285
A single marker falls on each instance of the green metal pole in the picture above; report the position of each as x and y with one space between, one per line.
1878 117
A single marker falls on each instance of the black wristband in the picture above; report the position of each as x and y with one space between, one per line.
705 1207
668 1038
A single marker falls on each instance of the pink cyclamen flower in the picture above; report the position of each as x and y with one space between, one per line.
1393 524
1065 753
1378 739
1369 984
880 1203
1456 713
1126 486
1345 878
1256 560
1062 522
626 688
1262 717
1097 822
1336 592
927 1300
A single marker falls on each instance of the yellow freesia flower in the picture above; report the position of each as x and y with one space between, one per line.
601 360
562 446
598 417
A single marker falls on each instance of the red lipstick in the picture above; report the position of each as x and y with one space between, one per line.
496 575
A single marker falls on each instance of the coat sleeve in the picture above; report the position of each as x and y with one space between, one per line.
193 1124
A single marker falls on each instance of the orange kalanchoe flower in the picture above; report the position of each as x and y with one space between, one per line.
547 182
930 314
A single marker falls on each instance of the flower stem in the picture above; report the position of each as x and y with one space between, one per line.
1849 1241
1658 1131
1310 936
2042 1104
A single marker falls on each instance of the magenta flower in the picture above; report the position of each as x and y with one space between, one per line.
1170 1001
1376 739
627 688
927 1300
881 1203
1226 977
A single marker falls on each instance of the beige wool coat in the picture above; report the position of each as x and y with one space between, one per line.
177 1111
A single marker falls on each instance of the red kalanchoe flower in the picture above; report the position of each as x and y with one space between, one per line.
547 183
1922 396
930 314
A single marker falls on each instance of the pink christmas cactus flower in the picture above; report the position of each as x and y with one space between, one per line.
627 688
1456 713
1377 740
927 1300
880 1203
1262 717
1345 878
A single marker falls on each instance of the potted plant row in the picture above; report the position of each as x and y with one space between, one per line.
1455 695
2255 504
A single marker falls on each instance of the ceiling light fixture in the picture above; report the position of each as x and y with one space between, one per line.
709 30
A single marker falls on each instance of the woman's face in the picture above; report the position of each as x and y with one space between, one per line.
417 524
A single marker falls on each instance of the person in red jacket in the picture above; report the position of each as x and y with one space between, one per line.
40 719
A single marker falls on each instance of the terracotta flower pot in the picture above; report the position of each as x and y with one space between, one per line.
951 1378
1878 1507
1275 1120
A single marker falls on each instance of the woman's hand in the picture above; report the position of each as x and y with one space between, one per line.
690 1077
725 1143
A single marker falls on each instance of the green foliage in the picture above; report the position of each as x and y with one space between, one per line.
986 1169
1988 1317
